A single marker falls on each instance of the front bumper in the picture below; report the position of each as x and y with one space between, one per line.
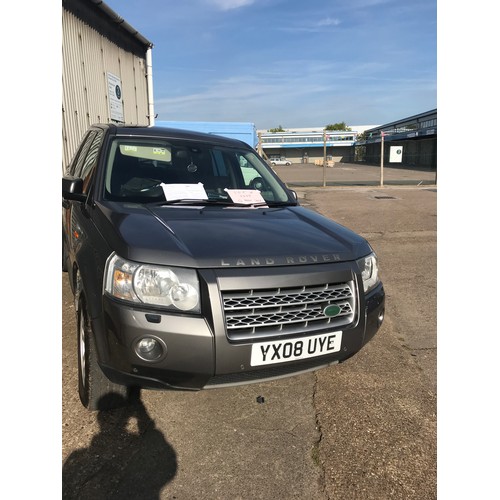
200 353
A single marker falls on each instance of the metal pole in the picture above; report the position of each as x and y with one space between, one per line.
149 82
324 158
382 159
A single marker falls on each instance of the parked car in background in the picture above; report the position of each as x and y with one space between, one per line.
193 266
279 161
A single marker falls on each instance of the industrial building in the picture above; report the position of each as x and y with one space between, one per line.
107 72
310 146
415 138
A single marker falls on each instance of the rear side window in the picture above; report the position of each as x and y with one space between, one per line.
76 165
89 164
85 160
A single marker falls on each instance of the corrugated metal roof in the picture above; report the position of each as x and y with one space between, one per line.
102 18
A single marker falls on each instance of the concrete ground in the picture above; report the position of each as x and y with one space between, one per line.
365 429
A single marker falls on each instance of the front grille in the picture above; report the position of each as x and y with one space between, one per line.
256 314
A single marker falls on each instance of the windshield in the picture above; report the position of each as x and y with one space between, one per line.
152 170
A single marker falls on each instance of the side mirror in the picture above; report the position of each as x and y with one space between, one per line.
72 189
294 194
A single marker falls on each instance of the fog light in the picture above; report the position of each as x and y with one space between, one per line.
150 349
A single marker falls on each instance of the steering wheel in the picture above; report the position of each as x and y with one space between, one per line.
145 187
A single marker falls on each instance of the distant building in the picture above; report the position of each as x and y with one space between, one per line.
308 145
414 137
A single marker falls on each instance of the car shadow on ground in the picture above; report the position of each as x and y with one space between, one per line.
128 458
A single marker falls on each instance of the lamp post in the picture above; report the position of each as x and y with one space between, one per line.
382 134
324 158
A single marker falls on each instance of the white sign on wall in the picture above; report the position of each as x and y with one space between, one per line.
115 98
396 154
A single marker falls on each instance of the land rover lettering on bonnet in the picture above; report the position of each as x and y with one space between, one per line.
194 267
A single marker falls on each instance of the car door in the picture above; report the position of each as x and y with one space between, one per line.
83 166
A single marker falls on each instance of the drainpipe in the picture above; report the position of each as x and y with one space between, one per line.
149 80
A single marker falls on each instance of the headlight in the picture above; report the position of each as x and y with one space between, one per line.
369 271
171 287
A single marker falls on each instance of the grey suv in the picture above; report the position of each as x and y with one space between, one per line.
193 266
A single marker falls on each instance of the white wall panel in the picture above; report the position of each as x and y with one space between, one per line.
87 58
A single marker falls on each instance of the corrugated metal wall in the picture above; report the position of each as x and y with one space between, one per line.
87 58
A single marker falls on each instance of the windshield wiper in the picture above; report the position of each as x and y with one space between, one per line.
273 204
193 201
223 202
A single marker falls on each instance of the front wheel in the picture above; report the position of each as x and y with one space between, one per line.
96 391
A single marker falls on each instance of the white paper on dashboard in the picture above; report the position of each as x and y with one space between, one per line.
184 191
245 196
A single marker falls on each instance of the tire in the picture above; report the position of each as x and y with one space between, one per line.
96 391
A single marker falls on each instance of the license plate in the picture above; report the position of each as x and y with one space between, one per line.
269 353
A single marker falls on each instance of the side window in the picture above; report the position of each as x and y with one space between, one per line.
76 166
89 164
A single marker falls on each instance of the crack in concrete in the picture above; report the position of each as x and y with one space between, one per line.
316 448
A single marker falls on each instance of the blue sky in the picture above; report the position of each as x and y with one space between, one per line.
288 62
